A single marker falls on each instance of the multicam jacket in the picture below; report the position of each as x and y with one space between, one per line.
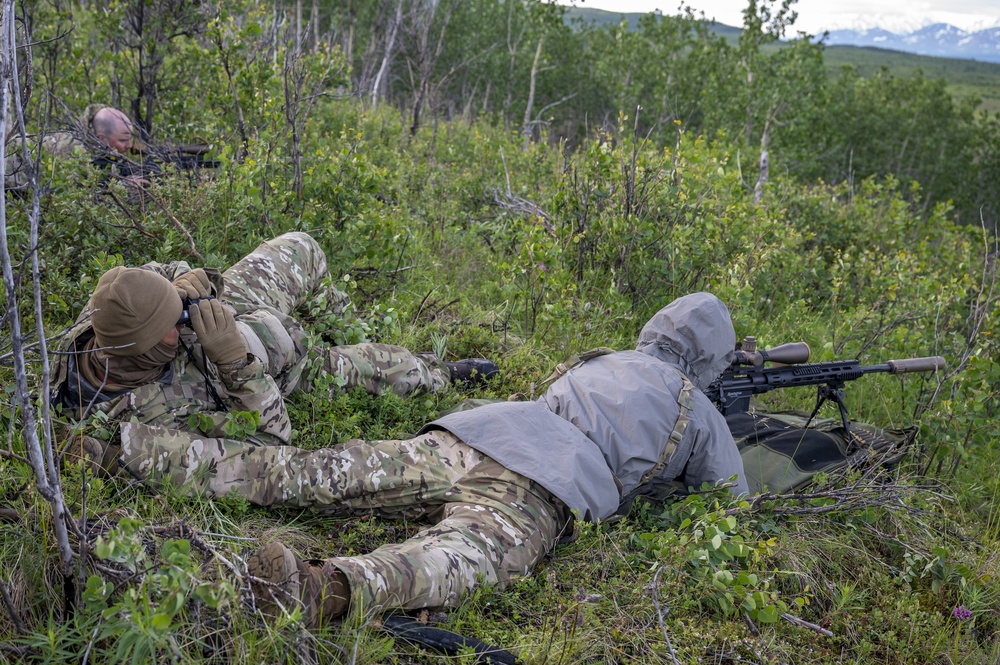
59 145
191 385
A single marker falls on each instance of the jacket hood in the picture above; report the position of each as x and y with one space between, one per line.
695 333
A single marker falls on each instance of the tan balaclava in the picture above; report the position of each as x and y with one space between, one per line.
134 309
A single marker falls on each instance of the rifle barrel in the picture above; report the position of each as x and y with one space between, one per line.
927 364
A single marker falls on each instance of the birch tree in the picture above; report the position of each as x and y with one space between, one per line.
36 430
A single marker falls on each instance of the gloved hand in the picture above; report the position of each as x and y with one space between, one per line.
193 285
215 326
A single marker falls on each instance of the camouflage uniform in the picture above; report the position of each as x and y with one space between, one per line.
58 145
504 478
492 523
264 288
267 286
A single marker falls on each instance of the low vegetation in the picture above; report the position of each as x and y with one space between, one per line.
462 233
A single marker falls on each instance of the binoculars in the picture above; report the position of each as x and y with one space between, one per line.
185 319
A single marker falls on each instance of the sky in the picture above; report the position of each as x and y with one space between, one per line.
815 16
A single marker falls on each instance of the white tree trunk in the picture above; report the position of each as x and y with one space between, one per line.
43 462
390 42
526 128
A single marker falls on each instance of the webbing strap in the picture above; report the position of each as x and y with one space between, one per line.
561 369
575 361
685 400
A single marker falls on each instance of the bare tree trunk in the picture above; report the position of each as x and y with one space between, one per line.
349 46
293 91
241 125
512 46
470 98
276 21
765 143
370 60
427 60
763 163
526 128
390 43
301 92
42 462
298 25
423 21
314 22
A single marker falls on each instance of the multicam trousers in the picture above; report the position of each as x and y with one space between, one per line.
491 524
269 284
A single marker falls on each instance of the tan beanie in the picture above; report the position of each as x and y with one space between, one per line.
133 309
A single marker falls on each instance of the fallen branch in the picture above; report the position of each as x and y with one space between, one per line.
852 497
805 624
521 206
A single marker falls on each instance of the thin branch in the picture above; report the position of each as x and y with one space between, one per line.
193 249
47 480
565 98
660 613
14 456
11 610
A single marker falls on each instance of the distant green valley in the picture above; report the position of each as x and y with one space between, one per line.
964 77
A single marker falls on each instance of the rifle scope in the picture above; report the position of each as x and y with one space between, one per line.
790 353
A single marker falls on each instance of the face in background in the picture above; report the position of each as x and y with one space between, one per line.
115 129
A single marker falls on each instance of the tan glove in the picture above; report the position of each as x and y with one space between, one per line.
215 326
193 285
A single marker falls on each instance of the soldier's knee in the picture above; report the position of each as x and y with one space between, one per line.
305 242
308 252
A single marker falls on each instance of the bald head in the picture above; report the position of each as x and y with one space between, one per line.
114 128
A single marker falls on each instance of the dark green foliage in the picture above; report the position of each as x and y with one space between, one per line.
455 230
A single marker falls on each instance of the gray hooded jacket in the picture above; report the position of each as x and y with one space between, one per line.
596 432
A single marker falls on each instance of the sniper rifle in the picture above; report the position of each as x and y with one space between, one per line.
747 375
149 160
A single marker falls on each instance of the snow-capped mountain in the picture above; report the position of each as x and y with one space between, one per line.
938 39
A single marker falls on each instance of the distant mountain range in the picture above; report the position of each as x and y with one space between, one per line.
939 39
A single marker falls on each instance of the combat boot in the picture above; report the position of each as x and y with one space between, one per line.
99 456
283 579
472 371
